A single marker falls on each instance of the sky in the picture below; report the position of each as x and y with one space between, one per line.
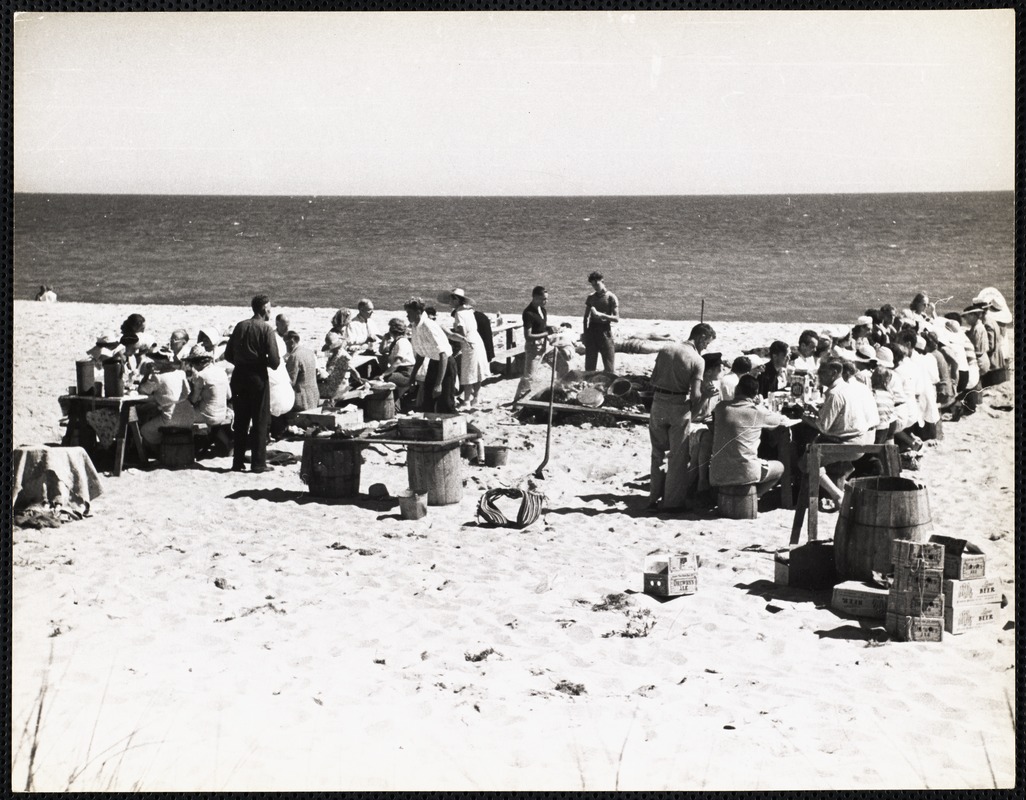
514 103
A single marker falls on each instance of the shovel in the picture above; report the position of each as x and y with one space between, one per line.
540 472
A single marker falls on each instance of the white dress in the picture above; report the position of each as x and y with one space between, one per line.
473 359
283 397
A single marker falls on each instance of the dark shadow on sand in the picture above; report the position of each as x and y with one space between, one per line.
768 590
865 631
305 498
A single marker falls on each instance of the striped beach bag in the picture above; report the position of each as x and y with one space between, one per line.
490 516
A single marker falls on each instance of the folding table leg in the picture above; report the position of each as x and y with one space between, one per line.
813 478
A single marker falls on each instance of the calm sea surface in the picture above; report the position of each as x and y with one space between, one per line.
816 258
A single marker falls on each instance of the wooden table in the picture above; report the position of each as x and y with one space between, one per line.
331 466
81 434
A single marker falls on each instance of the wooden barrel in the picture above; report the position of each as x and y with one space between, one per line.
738 502
331 469
437 471
176 447
379 406
874 512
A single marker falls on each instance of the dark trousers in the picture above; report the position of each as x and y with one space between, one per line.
251 399
445 403
598 343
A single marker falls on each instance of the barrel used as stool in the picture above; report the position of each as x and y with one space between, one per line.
874 512
176 448
379 406
331 468
738 502
437 471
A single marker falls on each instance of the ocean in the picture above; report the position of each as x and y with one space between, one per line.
765 258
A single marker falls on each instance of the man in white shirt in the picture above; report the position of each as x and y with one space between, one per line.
806 359
361 338
437 390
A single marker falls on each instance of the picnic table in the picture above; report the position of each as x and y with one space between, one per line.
80 433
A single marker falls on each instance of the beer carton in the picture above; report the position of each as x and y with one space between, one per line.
921 580
671 574
962 559
859 599
916 604
960 619
914 629
973 592
907 553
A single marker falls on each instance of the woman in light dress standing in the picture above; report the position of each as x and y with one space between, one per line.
473 359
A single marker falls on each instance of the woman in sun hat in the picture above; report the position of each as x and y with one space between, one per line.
996 320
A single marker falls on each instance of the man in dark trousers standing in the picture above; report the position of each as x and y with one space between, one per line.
253 350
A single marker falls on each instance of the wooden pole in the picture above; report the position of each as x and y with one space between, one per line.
701 316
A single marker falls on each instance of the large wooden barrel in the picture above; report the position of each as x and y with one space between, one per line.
379 406
176 447
738 502
330 468
874 512
437 471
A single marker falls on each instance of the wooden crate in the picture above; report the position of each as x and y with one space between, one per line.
923 581
907 553
916 604
914 629
432 427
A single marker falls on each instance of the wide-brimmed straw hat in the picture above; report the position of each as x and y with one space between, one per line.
884 358
446 297
977 307
865 352
197 353
998 308
842 352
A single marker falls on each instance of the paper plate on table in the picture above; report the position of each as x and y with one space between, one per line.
591 397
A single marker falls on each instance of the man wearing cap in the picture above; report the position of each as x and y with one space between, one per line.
774 376
676 385
252 349
601 310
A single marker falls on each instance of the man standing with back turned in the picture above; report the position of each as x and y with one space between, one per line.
253 350
676 384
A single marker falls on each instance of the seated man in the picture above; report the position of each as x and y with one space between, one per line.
840 419
177 345
774 376
737 427
806 360
742 365
399 358
361 341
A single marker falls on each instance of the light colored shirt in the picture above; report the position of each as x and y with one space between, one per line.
402 354
809 364
737 428
840 415
429 340
358 333
865 403
728 386
676 366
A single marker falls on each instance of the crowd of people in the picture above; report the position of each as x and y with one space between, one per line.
892 377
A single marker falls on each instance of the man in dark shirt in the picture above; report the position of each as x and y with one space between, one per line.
601 310
536 333
253 350
774 376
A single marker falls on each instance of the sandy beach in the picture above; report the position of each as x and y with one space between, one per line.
209 630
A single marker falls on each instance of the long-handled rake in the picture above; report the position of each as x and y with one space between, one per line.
540 472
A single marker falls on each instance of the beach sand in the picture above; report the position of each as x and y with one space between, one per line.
209 630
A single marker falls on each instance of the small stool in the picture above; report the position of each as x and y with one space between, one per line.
176 448
738 502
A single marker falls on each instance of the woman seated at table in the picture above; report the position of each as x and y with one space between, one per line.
212 342
397 352
210 390
169 388
333 379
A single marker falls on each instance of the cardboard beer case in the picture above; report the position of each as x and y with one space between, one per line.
962 559
915 604
906 553
972 592
914 629
959 619
671 574
859 599
919 580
